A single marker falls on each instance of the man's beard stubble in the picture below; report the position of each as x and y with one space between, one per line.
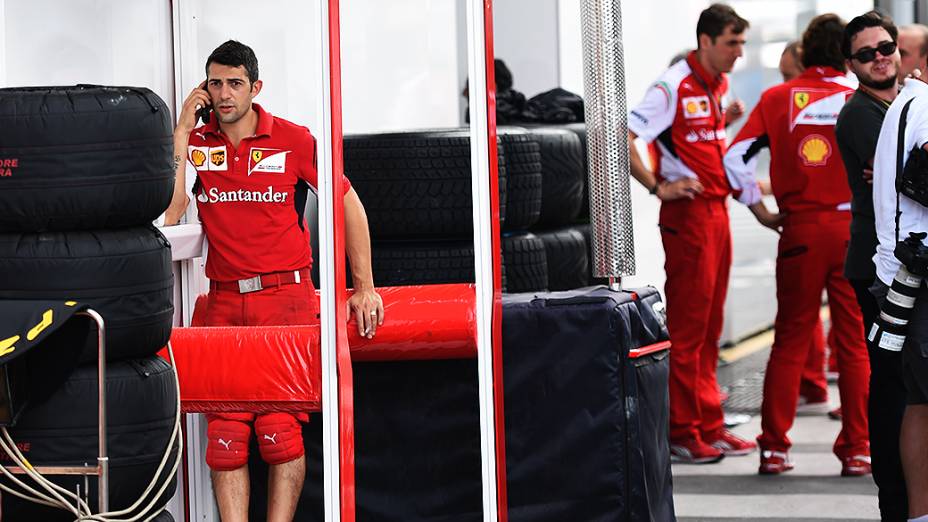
867 81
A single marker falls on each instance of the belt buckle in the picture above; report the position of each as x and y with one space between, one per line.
253 284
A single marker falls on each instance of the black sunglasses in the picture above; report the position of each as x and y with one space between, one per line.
868 55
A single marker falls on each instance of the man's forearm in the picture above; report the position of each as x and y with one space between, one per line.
639 171
179 200
765 217
759 210
358 242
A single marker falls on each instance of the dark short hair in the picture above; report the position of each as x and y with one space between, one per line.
235 54
715 18
865 21
821 42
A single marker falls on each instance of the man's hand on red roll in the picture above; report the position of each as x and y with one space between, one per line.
366 307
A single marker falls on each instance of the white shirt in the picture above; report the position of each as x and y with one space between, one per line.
914 216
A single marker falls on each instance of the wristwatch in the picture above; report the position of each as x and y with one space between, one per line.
653 190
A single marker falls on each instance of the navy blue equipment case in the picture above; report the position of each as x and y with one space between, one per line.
586 410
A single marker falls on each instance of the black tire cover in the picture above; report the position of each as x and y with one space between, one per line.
526 263
62 430
405 263
588 237
124 274
563 176
567 256
580 130
523 177
83 157
416 182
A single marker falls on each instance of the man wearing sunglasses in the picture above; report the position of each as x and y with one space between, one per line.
796 121
870 48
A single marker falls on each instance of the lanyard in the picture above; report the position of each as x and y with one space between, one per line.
874 97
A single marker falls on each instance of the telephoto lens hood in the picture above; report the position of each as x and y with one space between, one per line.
890 328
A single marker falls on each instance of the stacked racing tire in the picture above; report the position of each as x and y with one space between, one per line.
85 172
416 188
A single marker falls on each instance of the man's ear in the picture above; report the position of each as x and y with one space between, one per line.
256 88
704 41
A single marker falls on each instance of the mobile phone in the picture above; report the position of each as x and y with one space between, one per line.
203 112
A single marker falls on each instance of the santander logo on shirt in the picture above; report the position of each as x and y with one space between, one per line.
214 195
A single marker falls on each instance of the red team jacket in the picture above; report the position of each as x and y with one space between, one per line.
796 120
683 114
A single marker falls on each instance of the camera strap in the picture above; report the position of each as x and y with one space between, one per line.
900 166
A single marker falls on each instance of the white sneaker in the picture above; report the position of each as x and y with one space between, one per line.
807 409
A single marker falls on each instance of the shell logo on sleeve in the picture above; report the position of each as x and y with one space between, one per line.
198 157
814 150
272 161
696 107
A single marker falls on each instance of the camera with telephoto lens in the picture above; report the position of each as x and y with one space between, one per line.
889 330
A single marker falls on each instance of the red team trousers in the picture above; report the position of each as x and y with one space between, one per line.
697 247
814 385
286 304
810 259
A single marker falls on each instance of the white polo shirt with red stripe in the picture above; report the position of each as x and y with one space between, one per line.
683 114
251 198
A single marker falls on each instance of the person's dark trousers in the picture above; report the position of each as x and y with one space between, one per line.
885 409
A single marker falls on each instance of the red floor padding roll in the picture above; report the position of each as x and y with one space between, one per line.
268 369
272 368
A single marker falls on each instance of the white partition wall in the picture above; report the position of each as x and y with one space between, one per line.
527 39
55 42
399 64
283 34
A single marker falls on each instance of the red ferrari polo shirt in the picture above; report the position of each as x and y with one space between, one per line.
683 114
251 198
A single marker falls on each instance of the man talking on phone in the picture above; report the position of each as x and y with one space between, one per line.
253 173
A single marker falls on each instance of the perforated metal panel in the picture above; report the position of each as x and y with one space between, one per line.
607 139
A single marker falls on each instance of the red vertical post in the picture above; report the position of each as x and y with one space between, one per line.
342 354
497 315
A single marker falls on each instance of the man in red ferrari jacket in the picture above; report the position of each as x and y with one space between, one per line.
796 121
683 114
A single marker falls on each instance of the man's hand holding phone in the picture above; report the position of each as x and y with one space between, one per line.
195 106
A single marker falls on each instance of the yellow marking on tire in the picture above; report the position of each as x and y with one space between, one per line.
39 328
6 345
